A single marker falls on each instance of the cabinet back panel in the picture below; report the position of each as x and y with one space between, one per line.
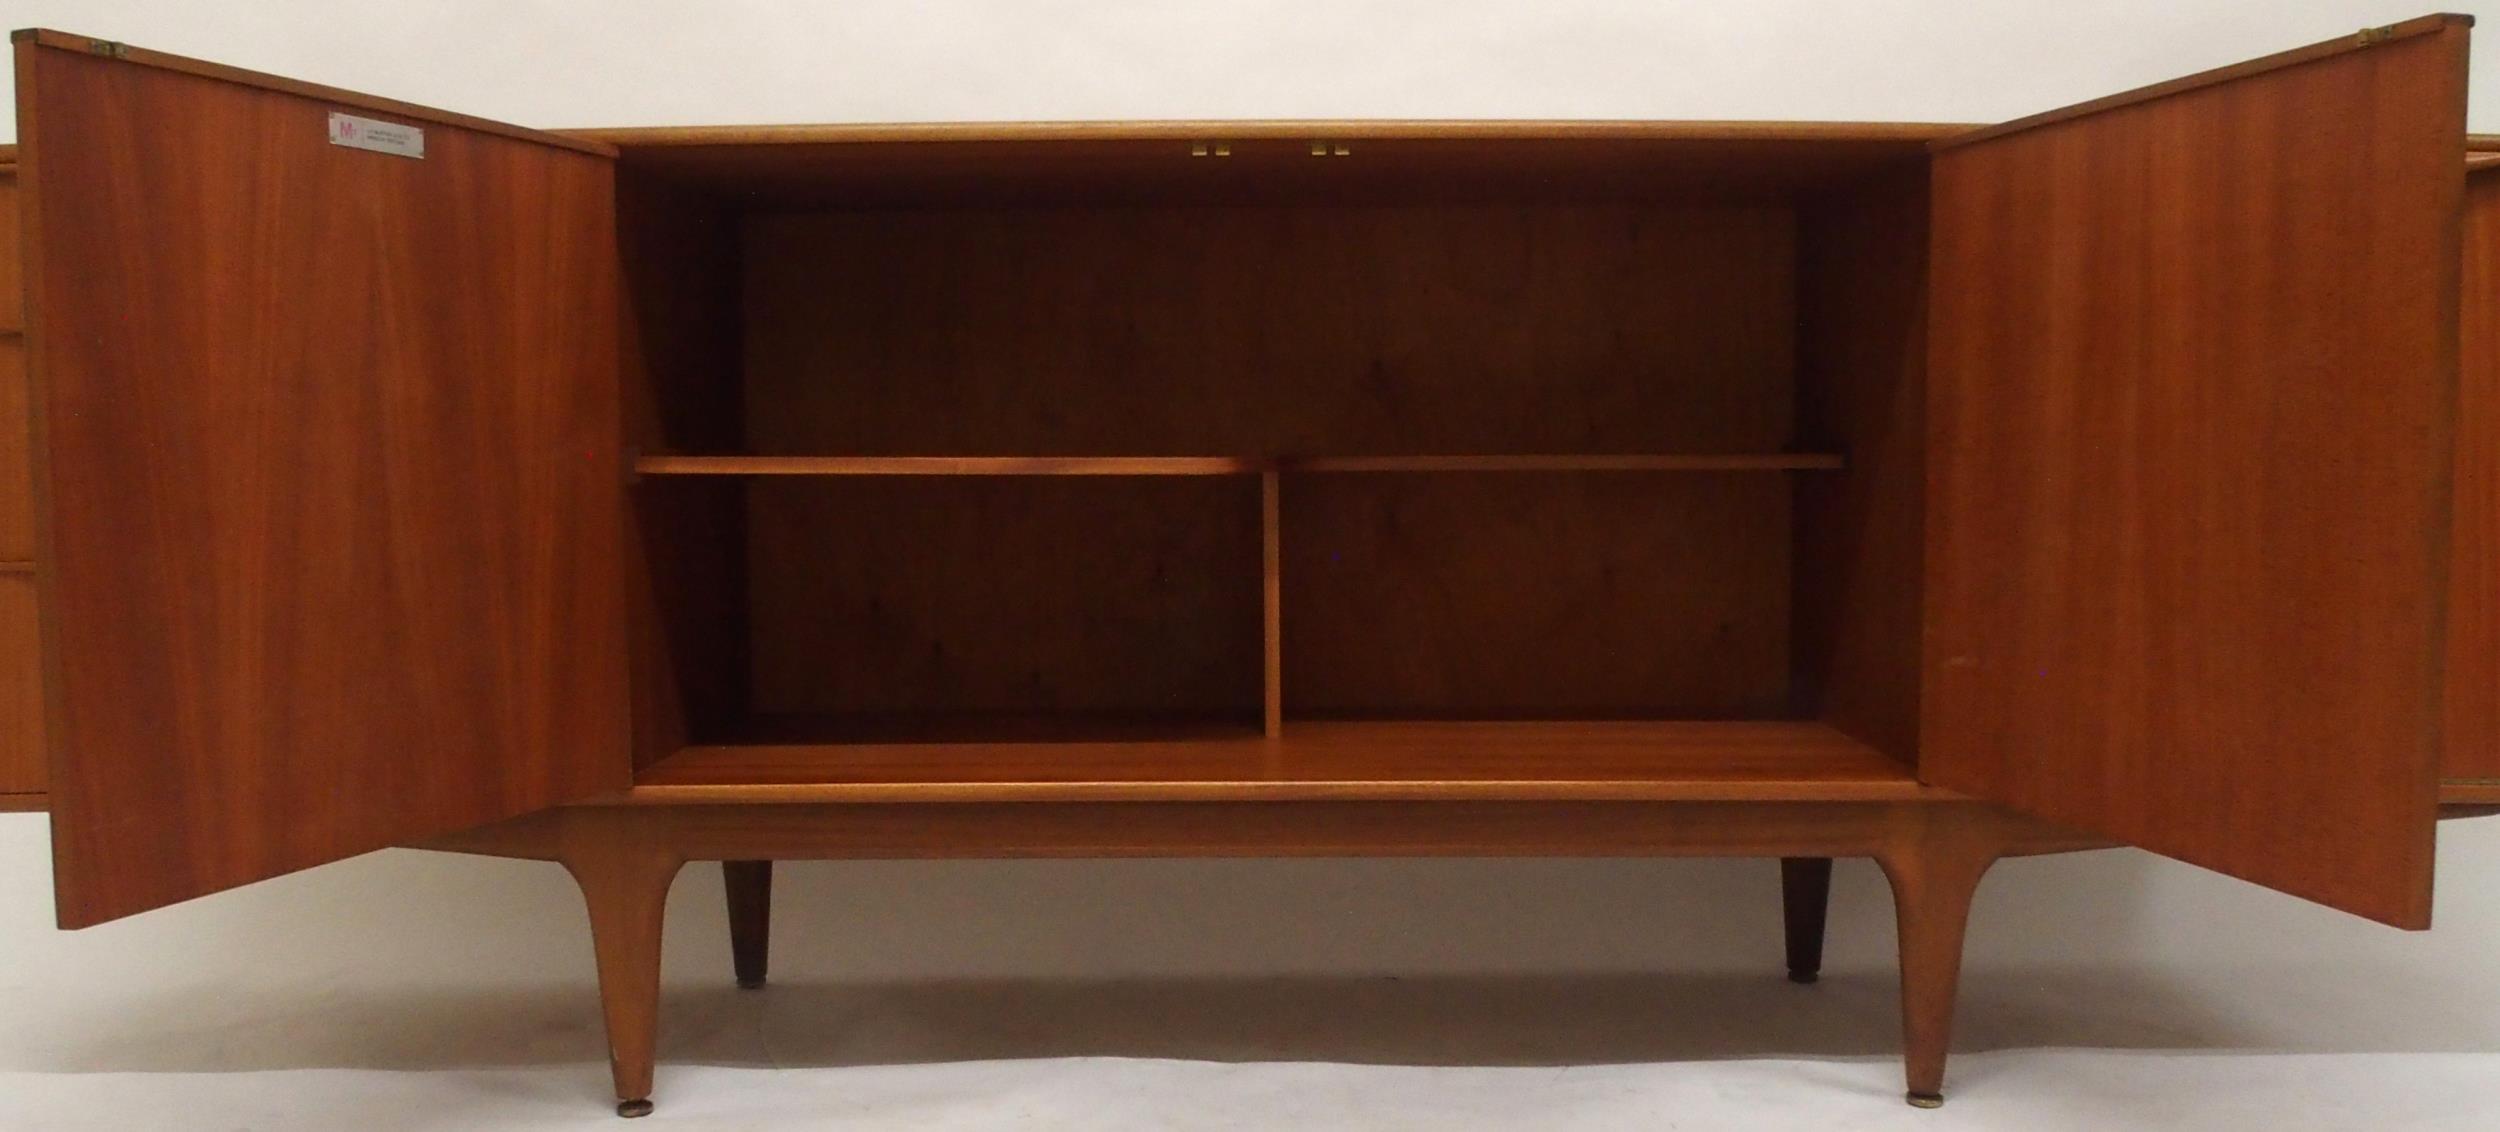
1536 596
1006 597
1270 330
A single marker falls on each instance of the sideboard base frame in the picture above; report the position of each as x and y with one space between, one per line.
1934 853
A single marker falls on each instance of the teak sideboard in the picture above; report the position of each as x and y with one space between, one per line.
2128 474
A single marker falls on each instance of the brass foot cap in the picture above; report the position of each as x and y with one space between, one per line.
1802 978
632 1109
1926 1100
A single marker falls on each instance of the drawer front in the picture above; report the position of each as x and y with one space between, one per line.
21 697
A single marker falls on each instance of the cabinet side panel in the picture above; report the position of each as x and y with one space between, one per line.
17 465
22 774
2473 749
17 481
686 570
1862 366
21 697
12 253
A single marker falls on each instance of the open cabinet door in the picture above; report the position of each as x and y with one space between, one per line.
2193 354
329 496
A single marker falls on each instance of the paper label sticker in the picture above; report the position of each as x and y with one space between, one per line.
378 136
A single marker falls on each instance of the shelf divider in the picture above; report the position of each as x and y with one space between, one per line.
1630 462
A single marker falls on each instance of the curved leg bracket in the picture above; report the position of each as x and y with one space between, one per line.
624 876
1935 865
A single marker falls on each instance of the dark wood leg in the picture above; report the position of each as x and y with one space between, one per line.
1805 897
624 883
1934 874
750 888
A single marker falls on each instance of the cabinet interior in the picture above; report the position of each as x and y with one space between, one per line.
1575 462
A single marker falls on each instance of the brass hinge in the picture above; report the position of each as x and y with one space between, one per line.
2370 37
108 48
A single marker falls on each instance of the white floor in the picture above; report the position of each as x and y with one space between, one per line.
2040 1091
432 992
1423 1057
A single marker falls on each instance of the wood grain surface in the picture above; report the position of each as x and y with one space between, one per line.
686 563
12 255
23 775
2473 723
692 465
2193 369
923 165
330 515
984 595
22 771
1350 761
1536 596
1860 542
1554 328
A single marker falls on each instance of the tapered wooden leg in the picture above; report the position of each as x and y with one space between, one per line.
1934 875
750 888
625 886
1805 897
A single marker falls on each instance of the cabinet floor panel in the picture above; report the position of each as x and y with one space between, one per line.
1687 761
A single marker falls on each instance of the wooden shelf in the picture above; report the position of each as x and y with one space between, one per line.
1662 462
944 466
1221 465
1584 761
978 728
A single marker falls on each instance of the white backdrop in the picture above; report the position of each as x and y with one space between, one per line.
406 960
